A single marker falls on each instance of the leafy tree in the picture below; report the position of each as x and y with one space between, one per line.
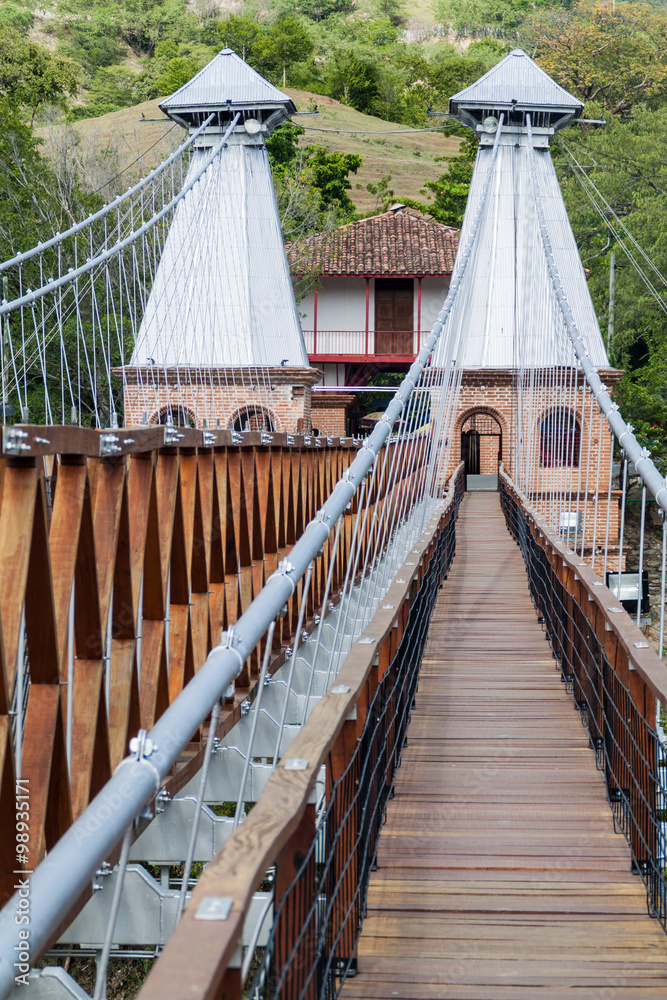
613 54
393 10
31 75
355 79
112 89
141 24
487 17
286 42
384 195
315 10
17 14
327 173
90 45
283 144
33 203
330 176
452 75
177 73
240 33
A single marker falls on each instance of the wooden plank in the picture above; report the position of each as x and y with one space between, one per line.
499 872
16 516
91 762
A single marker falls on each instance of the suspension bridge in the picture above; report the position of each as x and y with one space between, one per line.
301 717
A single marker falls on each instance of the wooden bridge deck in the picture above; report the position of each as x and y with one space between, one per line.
499 872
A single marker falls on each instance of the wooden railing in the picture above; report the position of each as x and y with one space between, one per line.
162 535
357 731
616 680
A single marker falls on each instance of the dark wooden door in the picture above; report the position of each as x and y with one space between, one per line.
470 452
394 316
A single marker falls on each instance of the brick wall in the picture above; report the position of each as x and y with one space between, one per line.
217 400
329 413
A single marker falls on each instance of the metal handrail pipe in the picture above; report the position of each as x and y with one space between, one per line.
51 286
61 877
21 258
641 457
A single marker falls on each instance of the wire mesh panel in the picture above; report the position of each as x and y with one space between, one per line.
617 706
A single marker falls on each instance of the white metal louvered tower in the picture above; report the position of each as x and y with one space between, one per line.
520 395
220 340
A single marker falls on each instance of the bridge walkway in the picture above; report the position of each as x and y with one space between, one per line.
499 872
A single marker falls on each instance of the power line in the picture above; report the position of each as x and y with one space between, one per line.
396 131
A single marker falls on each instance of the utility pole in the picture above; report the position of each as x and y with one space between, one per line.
612 294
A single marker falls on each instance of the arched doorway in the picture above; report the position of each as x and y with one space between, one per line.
481 449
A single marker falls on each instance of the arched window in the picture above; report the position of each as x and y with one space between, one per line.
179 416
253 418
560 440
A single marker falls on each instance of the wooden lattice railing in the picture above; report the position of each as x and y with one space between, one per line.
122 559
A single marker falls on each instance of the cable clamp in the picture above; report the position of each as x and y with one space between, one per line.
663 489
285 567
228 642
628 430
141 748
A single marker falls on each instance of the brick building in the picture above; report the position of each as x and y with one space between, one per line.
523 399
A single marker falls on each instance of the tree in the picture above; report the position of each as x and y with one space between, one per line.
177 73
314 10
615 55
17 14
32 76
283 144
355 79
487 17
139 23
240 33
384 195
35 202
393 10
287 41
330 176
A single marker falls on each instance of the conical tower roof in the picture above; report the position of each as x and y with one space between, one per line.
227 85
499 319
518 81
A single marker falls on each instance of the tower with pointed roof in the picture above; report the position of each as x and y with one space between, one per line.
220 341
501 333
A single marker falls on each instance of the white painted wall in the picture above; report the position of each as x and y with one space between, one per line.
341 304
434 293
334 374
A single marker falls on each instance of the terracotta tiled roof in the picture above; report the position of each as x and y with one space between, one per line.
397 242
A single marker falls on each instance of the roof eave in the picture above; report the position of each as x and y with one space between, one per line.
191 109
